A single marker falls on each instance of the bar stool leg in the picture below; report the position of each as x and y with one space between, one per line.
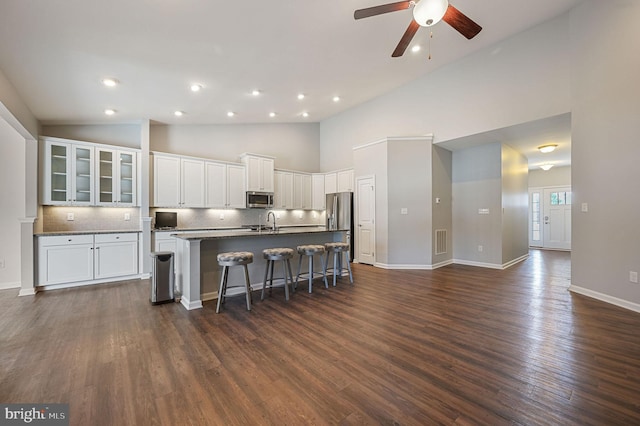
293 289
286 281
324 268
310 273
299 269
264 282
221 289
248 287
348 256
335 260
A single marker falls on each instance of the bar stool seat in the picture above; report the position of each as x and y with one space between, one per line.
272 255
226 260
311 250
340 250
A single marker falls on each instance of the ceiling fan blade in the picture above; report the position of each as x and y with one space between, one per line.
379 10
406 39
461 23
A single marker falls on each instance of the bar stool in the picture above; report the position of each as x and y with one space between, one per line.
272 255
234 258
340 251
311 250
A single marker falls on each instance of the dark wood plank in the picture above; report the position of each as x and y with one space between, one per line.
458 345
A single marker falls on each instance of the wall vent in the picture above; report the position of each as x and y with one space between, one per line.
441 241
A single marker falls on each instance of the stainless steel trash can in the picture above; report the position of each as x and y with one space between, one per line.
162 277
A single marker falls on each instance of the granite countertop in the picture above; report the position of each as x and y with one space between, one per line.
120 231
242 228
248 233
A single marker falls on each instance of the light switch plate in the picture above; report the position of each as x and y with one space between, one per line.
483 211
404 210
585 207
127 216
70 216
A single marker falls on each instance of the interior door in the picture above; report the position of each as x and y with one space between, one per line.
365 231
557 218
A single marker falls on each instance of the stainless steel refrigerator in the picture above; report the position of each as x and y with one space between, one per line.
340 215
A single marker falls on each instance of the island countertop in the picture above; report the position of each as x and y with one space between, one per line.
214 235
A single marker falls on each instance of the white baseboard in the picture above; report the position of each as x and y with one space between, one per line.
196 304
605 298
399 266
490 265
6 286
85 283
28 291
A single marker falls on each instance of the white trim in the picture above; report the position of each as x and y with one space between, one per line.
6 286
190 305
605 298
27 292
400 266
86 283
394 138
145 276
491 265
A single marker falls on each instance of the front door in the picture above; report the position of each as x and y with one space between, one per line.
365 229
556 218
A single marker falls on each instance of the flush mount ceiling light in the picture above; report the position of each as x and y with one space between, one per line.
195 87
110 82
546 167
109 111
178 113
545 149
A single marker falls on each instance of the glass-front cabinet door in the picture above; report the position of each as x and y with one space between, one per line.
69 171
127 175
116 183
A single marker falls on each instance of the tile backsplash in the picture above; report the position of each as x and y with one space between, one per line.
55 219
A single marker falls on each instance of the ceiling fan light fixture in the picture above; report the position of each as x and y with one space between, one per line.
545 149
546 167
429 12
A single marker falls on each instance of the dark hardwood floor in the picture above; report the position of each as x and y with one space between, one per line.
458 345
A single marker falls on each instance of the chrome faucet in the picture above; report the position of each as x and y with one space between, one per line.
275 228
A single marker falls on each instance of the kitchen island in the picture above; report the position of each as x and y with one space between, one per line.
197 269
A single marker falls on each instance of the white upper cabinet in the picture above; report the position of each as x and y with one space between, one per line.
166 181
317 191
345 180
192 183
116 182
283 191
301 191
330 183
260 172
225 185
68 173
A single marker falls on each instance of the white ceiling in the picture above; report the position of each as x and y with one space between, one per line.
56 52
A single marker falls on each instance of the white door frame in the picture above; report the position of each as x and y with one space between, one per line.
542 243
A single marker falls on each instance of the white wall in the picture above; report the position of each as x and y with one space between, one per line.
442 213
522 79
295 146
12 202
556 176
127 135
606 148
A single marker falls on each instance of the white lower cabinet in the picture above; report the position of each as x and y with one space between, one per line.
69 259
163 241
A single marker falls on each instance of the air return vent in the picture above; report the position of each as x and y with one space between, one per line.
441 241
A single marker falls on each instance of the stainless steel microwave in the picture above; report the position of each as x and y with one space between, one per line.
259 200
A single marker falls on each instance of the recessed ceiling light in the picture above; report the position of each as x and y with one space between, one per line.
546 167
336 99
110 82
305 114
178 113
548 148
272 114
231 114
301 96
255 92
415 48
109 111
195 87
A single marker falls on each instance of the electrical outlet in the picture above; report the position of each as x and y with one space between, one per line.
2 264
70 216
480 248
221 217
300 215
127 216
277 215
633 276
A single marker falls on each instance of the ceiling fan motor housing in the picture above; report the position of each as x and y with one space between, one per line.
429 12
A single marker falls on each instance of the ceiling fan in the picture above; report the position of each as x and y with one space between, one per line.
426 13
